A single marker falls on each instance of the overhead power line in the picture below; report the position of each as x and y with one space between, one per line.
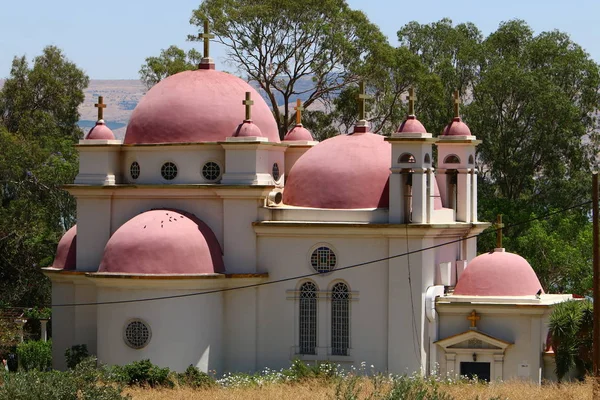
296 277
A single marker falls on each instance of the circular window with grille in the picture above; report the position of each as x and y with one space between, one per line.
211 171
137 334
168 171
275 172
134 170
323 259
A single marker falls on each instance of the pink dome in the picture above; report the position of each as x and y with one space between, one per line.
456 128
412 125
248 129
498 274
163 242
197 106
66 251
343 172
299 132
100 132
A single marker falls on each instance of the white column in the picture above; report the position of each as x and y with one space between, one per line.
396 196
474 195
419 196
430 194
463 205
44 323
440 177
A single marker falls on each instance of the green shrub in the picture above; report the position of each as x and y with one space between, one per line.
142 373
195 378
76 354
35 355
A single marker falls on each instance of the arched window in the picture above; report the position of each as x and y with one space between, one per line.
308 318
406 158
471 160
427 158
340 319
452 159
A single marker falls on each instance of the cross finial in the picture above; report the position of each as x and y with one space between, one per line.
411 101
248 103
362 97
473 317
100 106
456 104
499 225
206 36
299 110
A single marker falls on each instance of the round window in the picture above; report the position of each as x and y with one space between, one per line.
275 171
211 171
137 334
323 260
134 170
168 171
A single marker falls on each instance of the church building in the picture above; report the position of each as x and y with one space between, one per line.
203 239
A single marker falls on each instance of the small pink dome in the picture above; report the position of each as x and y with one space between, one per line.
412 125
498 274
163 242
197 106
100 132
299 132
248 129
343 172
456 128
66 251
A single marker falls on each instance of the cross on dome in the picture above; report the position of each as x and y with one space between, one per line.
100 106
362 98
206 36
248 102
456 104
299 110
411 101
499 225
473 317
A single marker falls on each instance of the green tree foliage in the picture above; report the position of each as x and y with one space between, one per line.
169 62
571 327
281 44
38 128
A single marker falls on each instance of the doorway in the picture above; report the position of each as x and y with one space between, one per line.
479 369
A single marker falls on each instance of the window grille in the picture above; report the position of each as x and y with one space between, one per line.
308 318
137 334
452 159
211 171
169 171
134 170
340 320
323 260
275 171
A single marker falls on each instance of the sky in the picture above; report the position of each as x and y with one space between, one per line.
109 39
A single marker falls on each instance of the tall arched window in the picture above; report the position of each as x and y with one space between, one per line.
308 318
340 319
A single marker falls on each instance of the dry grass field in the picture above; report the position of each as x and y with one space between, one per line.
316 390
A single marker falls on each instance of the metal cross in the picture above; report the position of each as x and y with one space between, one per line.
456 104
499 225
299 110
248 103
411 101
206 36
100 106
362 97
473 317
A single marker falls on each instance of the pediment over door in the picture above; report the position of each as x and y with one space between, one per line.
474 340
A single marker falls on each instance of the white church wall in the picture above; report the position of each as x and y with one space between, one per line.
63 322
376 216
85 316
239 239
93 230
290 256
240 330
99 165
189 161
184 331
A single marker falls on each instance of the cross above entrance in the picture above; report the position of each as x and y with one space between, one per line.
411 101
499 225
248 103
100 106
362 98
206 36
456 104
299 110
473 317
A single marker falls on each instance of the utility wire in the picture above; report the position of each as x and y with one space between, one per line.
293 278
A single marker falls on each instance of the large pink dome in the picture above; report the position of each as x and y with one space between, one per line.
197 106
163 242
343 172
498 274
66 251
